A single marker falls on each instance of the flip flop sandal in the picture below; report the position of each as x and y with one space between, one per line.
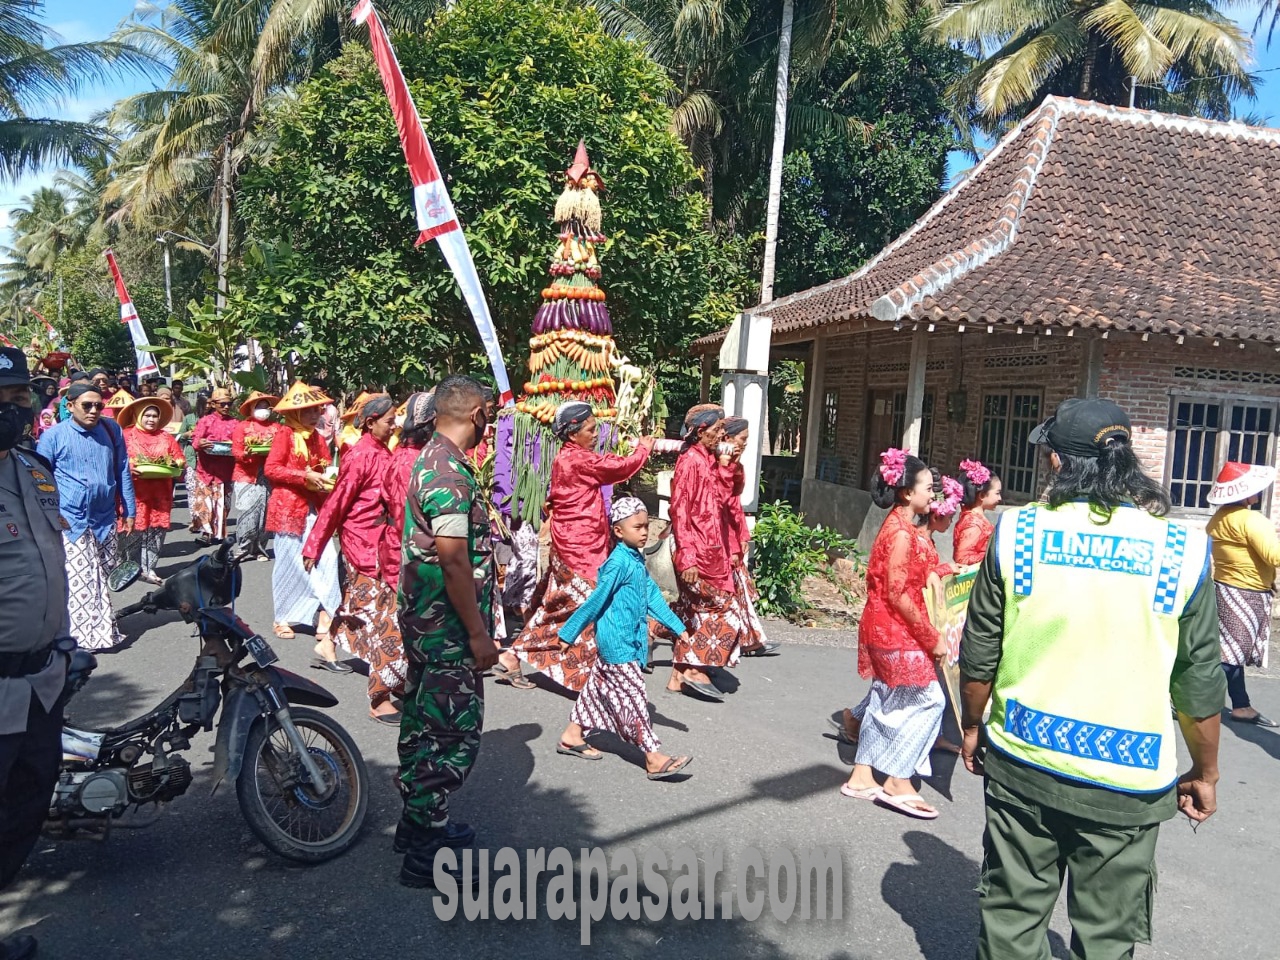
283 631
513 678
704 690
579 751
860 793
841 733
386 719
767 649
902 803
669 769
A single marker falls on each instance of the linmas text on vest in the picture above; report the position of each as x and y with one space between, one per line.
1097 551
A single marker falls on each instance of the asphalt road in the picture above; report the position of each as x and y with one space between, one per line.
197 885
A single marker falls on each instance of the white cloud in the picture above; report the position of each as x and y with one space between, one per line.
74 31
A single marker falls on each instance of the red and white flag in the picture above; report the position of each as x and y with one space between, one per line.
431 203
48 327
144 362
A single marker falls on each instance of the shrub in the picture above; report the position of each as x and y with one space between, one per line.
787 550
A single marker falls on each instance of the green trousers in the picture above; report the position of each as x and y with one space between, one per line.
440 726
1110 871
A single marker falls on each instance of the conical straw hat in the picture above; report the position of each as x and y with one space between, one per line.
301 396
119 400
254 398
1240 481
130 412
356 404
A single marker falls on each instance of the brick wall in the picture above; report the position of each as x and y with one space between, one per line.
1141 377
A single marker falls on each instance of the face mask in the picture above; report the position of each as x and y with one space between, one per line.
399 422
15 421
262 415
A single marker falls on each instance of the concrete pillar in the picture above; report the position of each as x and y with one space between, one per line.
815 397
915 392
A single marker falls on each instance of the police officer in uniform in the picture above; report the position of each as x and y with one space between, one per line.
1090 613
33 613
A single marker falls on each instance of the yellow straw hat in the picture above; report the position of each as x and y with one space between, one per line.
256 397
301 396
129 414
356 404
120 399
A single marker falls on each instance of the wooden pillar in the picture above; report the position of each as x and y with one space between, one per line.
1091 376
815 397
704 392
915 392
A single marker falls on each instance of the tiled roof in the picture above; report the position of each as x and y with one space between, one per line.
1086 215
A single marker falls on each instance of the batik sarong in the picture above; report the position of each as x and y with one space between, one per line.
559 594
89 613
366 625
614 698
299 595
1244 625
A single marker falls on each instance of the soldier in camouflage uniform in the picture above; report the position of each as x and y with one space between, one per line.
446 617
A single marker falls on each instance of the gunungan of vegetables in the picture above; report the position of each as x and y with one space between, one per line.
572 351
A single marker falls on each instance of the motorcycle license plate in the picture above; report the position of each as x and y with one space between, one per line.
261 651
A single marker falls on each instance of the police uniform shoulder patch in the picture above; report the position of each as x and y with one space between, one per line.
13 529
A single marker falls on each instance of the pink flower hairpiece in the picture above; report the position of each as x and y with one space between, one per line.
973 469
893 465
948 501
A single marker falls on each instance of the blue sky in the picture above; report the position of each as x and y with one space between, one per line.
80 20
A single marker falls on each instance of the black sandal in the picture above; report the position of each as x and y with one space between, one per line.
673 766
579 751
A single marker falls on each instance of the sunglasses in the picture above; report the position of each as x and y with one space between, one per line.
92 407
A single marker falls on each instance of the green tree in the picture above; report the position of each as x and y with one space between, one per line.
37 71
1187 55
844 199
505 88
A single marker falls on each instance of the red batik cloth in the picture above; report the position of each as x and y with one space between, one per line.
248 466
558 595
699 518
579 525
154 495
290 500
354 508
971 535
211 467
395 489
895 637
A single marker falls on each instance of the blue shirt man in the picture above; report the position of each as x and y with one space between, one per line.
90 466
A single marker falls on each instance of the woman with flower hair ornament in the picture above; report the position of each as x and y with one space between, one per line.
973 529
898 648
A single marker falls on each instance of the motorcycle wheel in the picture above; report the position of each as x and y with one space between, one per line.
289 817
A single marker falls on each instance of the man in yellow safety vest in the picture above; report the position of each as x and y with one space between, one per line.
1090 612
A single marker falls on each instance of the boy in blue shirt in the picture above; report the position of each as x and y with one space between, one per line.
614 697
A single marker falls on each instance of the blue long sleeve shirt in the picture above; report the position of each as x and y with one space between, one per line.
91 468
624 599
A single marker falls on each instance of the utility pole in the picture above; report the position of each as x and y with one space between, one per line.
168 283
779 142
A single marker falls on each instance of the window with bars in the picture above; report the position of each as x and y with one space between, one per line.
830 418
1204 433
926 422
1008 417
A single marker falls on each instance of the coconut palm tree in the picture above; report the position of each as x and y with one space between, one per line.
1184 55
37 71
45 226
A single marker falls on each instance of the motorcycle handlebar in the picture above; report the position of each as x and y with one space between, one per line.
146 603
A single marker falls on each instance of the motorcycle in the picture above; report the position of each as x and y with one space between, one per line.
300 780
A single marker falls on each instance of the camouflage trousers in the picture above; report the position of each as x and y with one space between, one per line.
440 726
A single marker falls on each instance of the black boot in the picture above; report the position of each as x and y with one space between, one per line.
418 869
20 946
454 835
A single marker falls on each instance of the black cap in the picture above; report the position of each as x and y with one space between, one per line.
13 367
1081 428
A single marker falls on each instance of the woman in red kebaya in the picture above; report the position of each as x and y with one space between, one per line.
973 529
898 648
214 468
418 427
579 544
296 469
705 543
254 432
145 440
755 644
366 622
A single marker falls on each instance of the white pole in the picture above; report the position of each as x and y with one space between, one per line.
779 142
